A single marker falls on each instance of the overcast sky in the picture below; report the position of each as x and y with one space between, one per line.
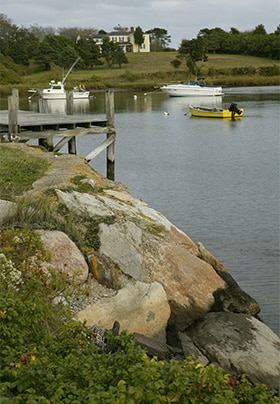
181 18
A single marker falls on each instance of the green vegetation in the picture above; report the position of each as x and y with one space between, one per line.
147 71
18 171
47 357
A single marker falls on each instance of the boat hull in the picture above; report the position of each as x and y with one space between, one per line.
53 95
189 90
202 112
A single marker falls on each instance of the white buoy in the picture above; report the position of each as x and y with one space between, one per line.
166 113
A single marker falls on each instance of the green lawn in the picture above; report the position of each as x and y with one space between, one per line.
151 70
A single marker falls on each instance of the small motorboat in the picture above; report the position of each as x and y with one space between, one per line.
192 88
233 112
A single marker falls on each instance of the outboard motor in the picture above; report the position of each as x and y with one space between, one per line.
234 109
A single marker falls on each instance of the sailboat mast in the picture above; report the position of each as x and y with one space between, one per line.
71 68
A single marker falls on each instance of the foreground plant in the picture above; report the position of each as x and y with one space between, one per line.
47 357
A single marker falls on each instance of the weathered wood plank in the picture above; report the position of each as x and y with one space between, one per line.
27 135
100 148
61 143
27 119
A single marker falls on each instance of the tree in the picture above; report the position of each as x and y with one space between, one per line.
70 33
74 32
213 38
57 50
108 49
195 49
119 56
234 31
8 32
19 53
159 39
15 42
89 52
41 32
259 30
138 37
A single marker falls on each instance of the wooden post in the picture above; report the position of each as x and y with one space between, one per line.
72 147
13 104
47 143
69 103
110 133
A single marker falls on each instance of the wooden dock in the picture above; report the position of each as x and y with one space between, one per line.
22 126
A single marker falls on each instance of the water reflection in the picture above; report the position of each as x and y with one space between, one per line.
58 106
183 103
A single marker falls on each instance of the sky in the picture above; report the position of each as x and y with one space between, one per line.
182 19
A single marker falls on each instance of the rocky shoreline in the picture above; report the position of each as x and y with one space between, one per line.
148 277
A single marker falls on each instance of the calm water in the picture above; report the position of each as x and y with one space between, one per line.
216 180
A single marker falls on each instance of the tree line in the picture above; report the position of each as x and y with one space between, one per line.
253 43
46 46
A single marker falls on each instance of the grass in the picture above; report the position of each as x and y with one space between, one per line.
18 171
147 71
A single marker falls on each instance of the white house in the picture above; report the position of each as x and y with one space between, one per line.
124 38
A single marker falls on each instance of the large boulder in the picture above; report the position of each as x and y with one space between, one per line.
146 247
139 308
240 344
65 256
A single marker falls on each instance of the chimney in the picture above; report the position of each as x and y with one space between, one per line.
132 30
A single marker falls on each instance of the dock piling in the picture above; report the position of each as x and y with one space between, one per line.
110 112
72 146
13 105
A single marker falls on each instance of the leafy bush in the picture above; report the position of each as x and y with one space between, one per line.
47 357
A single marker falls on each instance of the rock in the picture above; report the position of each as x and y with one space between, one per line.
169 259
122 242
139 308
84 204
65 256
6 209
232 298
106 272
240 344
153 347
146 247
190 349
189 282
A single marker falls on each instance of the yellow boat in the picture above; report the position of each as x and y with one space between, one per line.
231 113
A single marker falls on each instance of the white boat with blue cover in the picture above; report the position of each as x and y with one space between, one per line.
192 88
